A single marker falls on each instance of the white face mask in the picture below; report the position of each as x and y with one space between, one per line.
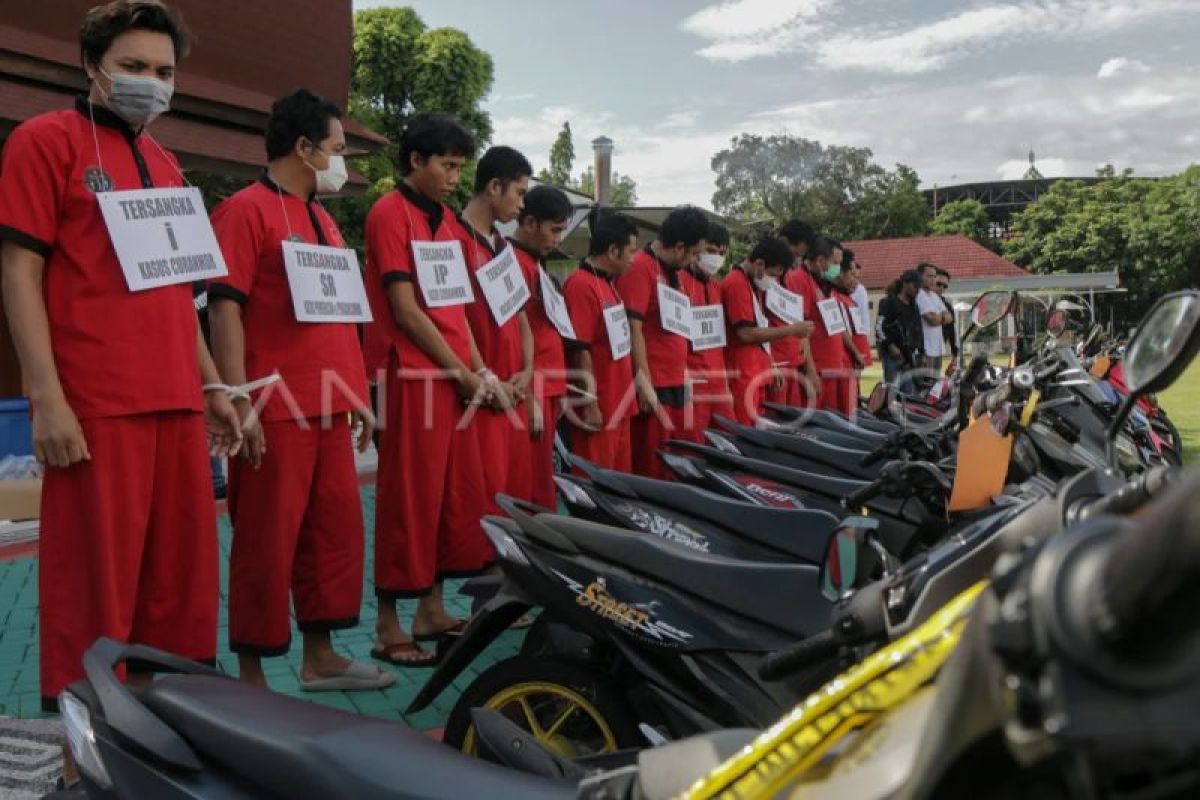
136 99
765 282
331 179
710 263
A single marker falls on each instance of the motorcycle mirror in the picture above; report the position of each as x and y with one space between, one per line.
848 560
1056 322
1164 345
991 307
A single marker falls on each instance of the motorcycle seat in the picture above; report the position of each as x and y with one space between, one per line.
823 417
783 596
809 447
800 533
292 748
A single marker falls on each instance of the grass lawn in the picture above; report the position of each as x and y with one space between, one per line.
1182 404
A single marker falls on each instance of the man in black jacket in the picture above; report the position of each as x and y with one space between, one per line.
941 284
898 328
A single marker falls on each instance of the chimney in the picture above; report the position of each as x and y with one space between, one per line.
603 148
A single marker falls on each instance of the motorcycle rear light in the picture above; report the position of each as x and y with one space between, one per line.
573 493
82 739
506 547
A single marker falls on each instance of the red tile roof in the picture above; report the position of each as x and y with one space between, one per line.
884 260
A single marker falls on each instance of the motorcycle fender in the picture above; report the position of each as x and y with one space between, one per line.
493 619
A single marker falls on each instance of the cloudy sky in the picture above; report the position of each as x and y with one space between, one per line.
960 91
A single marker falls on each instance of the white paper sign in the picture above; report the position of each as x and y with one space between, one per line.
503 286
708 327
831 315
675 311
785 304
555 306
326 283
617 323
861 318
760 319
442 273
162 237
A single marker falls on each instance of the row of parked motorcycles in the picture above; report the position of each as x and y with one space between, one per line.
982 589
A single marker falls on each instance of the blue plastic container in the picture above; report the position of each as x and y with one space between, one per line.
16 436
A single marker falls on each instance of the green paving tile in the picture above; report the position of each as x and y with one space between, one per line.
19 694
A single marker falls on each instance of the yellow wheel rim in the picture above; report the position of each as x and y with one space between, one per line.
544 709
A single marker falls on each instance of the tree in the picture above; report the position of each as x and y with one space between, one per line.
402 68
966 217
839 190
562 159
1148 230
624 188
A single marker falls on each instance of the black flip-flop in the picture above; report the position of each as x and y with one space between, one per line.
386 654
454 630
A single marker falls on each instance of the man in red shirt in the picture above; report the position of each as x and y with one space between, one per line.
802 385
430 490
832 348
751 336
295 506
498 320
543 220
114 369
599 356
843 291
659 323
707 381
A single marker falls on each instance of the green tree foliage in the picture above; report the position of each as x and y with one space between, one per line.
402 68
562 159
967 217
624 188
1148 230
839 190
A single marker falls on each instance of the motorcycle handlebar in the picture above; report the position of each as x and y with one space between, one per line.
1132 495
784 662
1151 566
860 497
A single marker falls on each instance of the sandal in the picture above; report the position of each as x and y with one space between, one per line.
524 622
387 654
454 630
356 677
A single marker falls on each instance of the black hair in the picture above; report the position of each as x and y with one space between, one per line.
847 260
774 252
821 246
796 232
430 135
718 234
942 272
686 225
609 229
104 23
503 163
547 204
296 115
912 276
924 265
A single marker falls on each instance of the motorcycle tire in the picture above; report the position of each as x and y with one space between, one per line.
578 710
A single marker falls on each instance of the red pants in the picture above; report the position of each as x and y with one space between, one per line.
430 491
608 448
128 545
649 432
298 529
748 397
839 391
708 399
497 436
790 393
541 458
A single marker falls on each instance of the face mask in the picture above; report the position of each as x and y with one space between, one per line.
334 177
138 100
711 262
765 282
832 272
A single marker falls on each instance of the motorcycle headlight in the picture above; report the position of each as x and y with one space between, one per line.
506 548
82 739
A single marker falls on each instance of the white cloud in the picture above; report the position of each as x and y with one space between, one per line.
1117 66
743 29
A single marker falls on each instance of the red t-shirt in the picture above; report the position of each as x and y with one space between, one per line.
117 352
704 290
785 352
499 345
549 359
397 220
861 344
587 293
828 351
738 295
666 352
313 359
